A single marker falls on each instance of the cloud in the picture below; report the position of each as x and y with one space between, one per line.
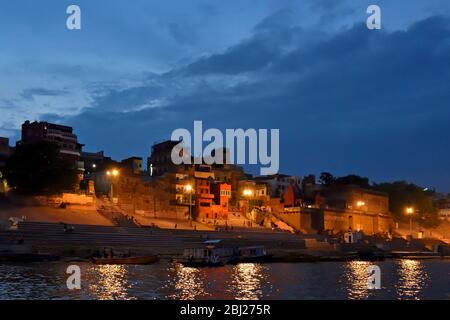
346 101
357 100
29 94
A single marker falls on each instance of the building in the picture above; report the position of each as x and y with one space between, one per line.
96 166
443 206
63 136
204 177
160 160
278 184
134 164
337 209
94 160
222 196
5 152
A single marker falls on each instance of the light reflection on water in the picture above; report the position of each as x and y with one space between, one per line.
188 283
112 282
412 279
356 275
247 280
400 279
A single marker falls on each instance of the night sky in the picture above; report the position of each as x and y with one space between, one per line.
346 99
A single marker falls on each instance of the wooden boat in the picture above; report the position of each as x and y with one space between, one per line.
128 260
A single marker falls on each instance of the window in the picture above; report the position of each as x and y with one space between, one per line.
205 204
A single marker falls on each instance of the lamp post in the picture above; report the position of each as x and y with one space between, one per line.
189 189
410 212
112 174
360 204
247 193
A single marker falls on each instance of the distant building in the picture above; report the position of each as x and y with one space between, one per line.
160 160
443 206
134 164
94 160
63 136
96 166
355 198
278 184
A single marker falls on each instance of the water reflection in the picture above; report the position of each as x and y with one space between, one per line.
247 281
111 282
356 277
412 279
188 283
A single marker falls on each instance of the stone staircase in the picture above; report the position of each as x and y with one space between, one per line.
114 214
52 234
159 241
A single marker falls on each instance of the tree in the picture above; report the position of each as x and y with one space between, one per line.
353 179
403 194
39 169
326 178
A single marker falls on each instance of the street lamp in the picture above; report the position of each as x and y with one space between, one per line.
359 204
410 212
113 173
188 188
247 193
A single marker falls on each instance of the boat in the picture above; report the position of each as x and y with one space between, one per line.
252 254
214 254
127 260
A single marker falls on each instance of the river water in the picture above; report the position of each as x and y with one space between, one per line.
400 279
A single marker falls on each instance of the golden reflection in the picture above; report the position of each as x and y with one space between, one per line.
112 282
357 276
188 284
247 280
412 279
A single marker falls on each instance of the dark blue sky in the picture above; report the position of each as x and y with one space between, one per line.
346 99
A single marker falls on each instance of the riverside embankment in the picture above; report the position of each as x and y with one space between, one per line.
85 240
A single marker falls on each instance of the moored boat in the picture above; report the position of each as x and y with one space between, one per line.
214 254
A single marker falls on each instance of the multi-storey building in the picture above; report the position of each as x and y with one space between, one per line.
63 136
160 161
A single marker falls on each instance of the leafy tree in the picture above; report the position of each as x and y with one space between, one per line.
403 194
326 178
39 169
353 179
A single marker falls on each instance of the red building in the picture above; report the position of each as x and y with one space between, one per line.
204 198
222 195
